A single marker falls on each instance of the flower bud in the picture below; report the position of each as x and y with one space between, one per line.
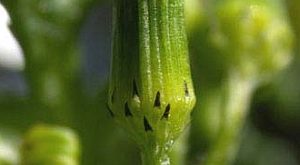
50 145
151 92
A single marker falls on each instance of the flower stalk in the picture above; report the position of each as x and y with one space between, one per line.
235 97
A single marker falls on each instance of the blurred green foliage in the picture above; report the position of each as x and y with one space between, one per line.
48 31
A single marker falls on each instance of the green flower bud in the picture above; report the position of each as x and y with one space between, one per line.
151 92
254 36
47 145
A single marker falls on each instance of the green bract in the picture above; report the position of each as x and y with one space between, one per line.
151 92
45 145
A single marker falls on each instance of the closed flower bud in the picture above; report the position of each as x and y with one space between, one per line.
46 145
151 92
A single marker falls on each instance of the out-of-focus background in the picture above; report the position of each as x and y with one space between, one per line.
69 89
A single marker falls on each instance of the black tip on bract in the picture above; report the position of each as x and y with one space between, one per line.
167 112
186 89
127 110
147 126
135 89
157 100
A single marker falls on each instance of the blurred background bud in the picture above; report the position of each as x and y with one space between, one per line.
9 141
11 56
50 145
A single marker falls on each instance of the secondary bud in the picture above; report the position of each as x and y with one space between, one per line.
50 145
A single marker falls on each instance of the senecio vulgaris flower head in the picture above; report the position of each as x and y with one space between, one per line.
150 92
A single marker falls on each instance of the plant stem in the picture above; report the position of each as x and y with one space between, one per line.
178 153
152 157
236 97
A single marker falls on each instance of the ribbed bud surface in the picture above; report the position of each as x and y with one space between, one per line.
151 92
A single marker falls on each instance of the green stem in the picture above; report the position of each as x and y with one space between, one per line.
178 153
236 97
152 157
